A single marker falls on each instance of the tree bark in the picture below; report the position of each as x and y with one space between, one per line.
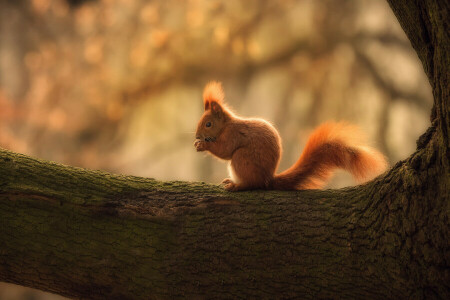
90 234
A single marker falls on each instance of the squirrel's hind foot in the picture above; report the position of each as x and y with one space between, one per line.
229 185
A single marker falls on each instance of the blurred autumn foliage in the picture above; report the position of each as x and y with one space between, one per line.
116 84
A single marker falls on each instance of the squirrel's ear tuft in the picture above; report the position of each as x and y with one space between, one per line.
213 92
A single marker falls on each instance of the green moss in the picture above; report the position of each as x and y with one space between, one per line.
86 244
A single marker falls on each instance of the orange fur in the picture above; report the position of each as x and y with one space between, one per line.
213 92
331 146
254 148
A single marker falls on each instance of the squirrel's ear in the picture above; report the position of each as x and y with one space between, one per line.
207 105
216 109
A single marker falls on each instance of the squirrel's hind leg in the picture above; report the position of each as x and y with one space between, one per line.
231 184
248 175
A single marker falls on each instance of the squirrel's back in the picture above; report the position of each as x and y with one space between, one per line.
260 142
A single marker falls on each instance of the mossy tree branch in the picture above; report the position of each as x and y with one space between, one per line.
90 234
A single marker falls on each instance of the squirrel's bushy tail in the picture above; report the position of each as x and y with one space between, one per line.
331 146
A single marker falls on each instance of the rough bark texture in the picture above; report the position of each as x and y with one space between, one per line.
89 234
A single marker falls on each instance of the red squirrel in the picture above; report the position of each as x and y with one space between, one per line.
254 148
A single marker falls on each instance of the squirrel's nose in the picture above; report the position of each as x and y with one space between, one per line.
197 137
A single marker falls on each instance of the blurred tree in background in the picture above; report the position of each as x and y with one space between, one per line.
116 84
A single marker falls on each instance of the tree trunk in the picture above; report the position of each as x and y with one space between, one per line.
89 234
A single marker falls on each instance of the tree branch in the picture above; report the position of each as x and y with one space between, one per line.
95 235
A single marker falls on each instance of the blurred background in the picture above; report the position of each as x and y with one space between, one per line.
116 84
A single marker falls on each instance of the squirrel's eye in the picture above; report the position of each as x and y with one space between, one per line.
208 124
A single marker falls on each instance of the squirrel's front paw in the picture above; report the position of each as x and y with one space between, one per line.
228 184
200 145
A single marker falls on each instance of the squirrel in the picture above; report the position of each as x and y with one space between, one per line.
254 147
